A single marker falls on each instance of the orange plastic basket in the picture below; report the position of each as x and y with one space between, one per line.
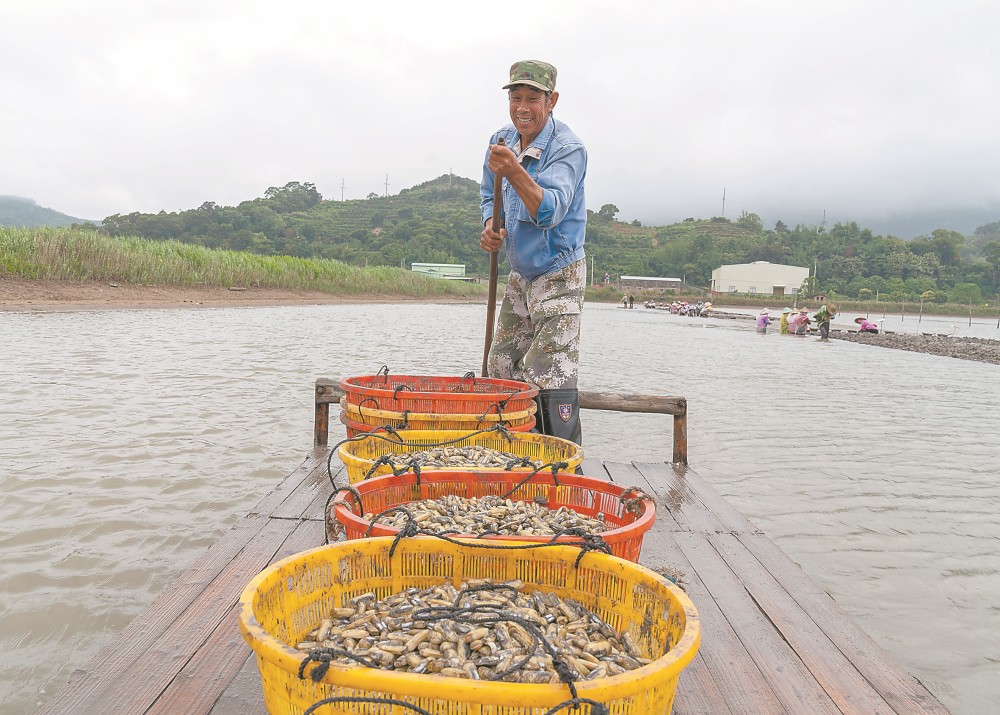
437 394
290 597
364 456
368 415
355 428
584 495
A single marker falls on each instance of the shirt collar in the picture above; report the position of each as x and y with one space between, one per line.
534 150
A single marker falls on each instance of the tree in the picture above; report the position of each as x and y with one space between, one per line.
293 196
991 251
750 221
608 212
965 293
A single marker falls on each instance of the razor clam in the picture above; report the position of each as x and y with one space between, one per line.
490 514
481 631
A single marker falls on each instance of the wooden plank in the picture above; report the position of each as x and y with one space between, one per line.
197 686
698 506
127 676
845 686
315 485
903 692
287 487
723 677
628 475
594 468
245 693
675 497
792 683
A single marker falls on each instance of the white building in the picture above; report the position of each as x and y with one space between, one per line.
761 277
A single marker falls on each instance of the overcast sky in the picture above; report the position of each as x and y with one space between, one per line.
864 109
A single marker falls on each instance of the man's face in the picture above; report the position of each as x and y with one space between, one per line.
529 110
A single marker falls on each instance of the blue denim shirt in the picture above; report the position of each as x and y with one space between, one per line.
557 161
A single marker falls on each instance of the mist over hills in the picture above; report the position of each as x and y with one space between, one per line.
21 212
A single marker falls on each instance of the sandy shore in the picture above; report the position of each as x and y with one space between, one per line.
49 296
978 349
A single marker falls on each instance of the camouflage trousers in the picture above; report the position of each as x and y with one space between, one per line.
537 337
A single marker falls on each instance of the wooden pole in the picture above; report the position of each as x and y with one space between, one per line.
491 304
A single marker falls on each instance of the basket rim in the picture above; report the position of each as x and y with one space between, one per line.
345 447
355 424
519 390
360 410
346 515
662 670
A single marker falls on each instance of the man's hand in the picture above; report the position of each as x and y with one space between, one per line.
490 240
502 161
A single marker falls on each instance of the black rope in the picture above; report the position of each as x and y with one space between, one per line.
596 708
555 466
395 393
495 406
335 526
323 657
588 542
384 370
356 438
373 700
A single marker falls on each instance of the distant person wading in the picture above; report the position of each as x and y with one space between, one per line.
543 166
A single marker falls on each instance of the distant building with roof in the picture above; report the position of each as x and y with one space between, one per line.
637 282
448 271
760 278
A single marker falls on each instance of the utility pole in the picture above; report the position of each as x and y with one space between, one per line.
341 189
815 284
386 185
723 202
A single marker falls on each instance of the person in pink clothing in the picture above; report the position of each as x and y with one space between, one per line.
763 320
866 326
799 323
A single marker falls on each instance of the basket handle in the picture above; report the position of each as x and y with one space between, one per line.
384 372
361 404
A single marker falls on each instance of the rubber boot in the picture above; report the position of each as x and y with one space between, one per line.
559 414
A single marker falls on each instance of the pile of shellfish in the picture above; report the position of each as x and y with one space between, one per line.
470 457
489 514
482 631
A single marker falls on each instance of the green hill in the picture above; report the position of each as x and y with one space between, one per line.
20 212
439 222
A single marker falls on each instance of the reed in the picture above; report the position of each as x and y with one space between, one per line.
64 254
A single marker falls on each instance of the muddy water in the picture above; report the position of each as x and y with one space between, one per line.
131 440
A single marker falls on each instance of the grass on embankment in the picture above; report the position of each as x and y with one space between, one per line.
62 254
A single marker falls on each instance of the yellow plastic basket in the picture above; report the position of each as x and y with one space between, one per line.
282 603
361 456
369 415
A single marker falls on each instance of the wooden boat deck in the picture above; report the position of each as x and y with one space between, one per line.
772 640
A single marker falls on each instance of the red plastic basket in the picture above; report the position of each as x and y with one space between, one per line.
354 427
438 394
585 495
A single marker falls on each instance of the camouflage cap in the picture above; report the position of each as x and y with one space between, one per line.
534 73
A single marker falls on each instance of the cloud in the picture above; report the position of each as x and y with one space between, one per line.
864 109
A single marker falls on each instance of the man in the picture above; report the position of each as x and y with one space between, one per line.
543 165
823 316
